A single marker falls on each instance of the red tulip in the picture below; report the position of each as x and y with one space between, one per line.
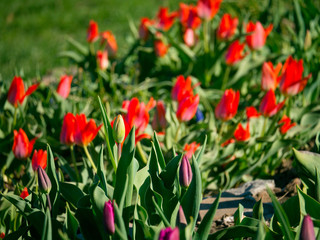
144 28
93 33
39 159
268 106
241 134
102 60
259 35
227 27
252 112
111 43
165 19
286 124
187 108
16 91
169 234
2 235
64 86
292 81
228 105
226 143
159 122
189 37
22 148
160 48
68 129
182 88
270 79
85 131
189 16
23 194
191 148
235 52
207 9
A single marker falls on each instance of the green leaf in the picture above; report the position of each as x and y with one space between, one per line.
308 205
77 45
71 193
120 228
200 154
281 216
101 172
258 210
261 234
317 185
17 234
238 215
169 174
160 212
309 161
47 228
71 224
160 157
205 226
65 166
235 232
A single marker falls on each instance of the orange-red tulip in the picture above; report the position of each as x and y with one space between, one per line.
188 16
207 9
64 86
68 129
160 48
270 79
111 43
165 19
227 27
93 33
235 52
187 108
102 60
22 148
228 106
191 148
16 93
182 88
144 28
268 106
39 159
85 131
241 134
286 124
24 194
252 112
292 81
258 35
227 142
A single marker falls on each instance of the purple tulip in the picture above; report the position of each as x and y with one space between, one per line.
307 230
108 217
169 234
43 181
185 172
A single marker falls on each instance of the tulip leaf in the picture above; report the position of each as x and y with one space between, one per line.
160 212
308 205
66 167
258 210
77 45
101 171
191 200
17 234
169 174
71 224
160 157
206 224
47 227
200 154
309 161
235 232
119 224
317 185
71 192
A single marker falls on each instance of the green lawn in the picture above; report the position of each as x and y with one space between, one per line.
32 33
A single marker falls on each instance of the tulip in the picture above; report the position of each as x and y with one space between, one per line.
191 148
159 122
68 129
268 106
185 172
160 48
189 37
235 52
2 235
16 93
64 86
207 9
307 229
119 130
22 148
165 19
108 217
187 108
144 28
292 81
24 193
227 142
181 218
188 16
228 105
182 88
270 79
169 234
39 159
111 43
43 181
126 127
258 35
85 131
102 60
241 134
252 112
285 124
93 33
227 27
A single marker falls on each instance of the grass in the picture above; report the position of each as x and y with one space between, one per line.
34 32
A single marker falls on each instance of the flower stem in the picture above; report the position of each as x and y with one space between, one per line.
264 126
205 35
221 131
14 118
177 133
90 159
119 151
289 104
74 163
141 153
225 78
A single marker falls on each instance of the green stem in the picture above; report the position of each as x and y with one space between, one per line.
225 78
205 35
36 177
141 153
177 133
264 126
14 118
289 104
92 51
74 163
119 151
90 159
221 131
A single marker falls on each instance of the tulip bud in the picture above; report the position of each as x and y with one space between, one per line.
108 217
24 193
43 181
307 40
119 130
181 218
185 172
169 234
307 230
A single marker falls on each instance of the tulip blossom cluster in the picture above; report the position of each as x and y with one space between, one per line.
187 101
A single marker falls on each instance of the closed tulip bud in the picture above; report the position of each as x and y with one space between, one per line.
68 129
2 235
269 106
181 218
258 34
307 230
228 105
119 130
43 181
235 52
185 172
93 32
64 86
108 217
169 234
